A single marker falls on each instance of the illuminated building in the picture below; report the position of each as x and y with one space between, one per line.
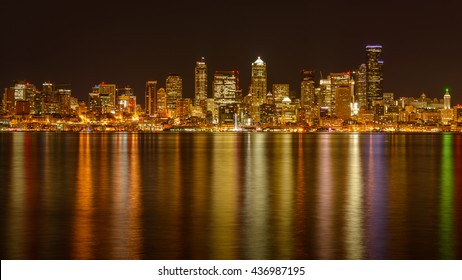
324 97
280 91
289 113
64 101
447 100
374 75
226 90
200 81
258 82
343 103
360 87
337 80
126 100
161 102
174 91
182 108
22 107
151 98
227 114
8 100
95 101
308 93
108 95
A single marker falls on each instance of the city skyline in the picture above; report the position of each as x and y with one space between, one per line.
133 43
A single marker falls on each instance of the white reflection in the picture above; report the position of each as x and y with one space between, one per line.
354 210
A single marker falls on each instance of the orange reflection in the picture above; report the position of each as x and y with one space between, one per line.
82 233
325 234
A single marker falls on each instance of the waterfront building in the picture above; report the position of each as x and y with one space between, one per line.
174 91
182 108
308 93
258 82
226 90
337 80
200 82
360 87
108 95
447 100
162 103
374 75
343 102
126 100
150 94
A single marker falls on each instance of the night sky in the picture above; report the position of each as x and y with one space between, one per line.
85 43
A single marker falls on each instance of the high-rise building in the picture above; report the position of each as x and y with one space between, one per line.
162 102
258 82
226 90
447 100
126 100
308 93
374 74
174 91
360 87
343 102
200 81
338 80
151 98
108 95
280 91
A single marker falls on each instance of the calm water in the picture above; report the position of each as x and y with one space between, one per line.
230 196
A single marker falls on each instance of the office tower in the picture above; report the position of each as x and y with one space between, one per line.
162 103
337 80
64 101
150 94
343 102
374 75
258 82
174 91
360 87
447 100
94 101
126 100
108 95
182 108
226 90
324 97
200 82
280 91
308 92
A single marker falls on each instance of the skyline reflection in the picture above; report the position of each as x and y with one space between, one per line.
230 196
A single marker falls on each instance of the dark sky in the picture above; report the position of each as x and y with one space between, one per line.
85 43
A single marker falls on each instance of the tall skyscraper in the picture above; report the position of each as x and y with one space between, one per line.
151 98
374 74
174 91
337 80
447 100
360 86
258 82
200 81
308 92
226 89
162 102
107 93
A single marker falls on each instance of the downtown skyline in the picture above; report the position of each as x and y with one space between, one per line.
133 43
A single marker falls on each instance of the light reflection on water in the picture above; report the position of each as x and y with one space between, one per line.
230 196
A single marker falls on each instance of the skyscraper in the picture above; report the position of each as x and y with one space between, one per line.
151 98
360 86
200 81
226 89
258 82
447 100
374 74
107 93
308 92
174 91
